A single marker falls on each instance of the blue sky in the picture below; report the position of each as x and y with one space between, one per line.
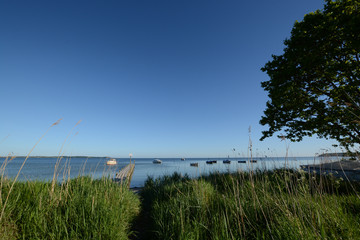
153 78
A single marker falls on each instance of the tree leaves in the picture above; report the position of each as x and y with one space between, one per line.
314 87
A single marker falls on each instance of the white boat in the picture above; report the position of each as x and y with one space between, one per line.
182 159
111 162
157 161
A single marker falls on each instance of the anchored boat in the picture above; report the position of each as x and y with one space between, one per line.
157 161
111 162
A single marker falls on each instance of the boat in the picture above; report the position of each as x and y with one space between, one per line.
241 161
253 161
112 161
182 159
194 164
214 161
227 161
209 162
157 161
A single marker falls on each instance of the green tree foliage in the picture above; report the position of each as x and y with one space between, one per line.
314 86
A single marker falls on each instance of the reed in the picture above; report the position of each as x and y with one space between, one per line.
3 205
82 208
60 156
279 204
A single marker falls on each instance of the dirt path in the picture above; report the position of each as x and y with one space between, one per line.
142 224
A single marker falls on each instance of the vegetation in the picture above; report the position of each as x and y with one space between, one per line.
279 204
335 155
81 208
314 85
264 205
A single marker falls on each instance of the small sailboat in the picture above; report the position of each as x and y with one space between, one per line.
157 161
182 159
194 164
112 161
253 161
241 161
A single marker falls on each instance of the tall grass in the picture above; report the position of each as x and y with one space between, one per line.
280 204
3 204
81 208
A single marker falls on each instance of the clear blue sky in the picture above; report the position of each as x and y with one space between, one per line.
154 78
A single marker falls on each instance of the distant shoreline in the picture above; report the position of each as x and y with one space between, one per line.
334 155
54 157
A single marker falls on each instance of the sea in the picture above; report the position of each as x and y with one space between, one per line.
42 168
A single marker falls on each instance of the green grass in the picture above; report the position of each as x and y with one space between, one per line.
82 208
280 204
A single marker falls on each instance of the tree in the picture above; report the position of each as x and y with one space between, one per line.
314 86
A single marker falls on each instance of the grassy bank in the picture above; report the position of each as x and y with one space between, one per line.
280 204
82 208
263 205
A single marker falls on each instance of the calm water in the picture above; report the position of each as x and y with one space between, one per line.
43 168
